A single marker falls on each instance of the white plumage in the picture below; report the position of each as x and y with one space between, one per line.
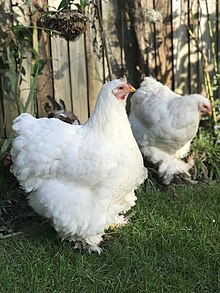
164 124
82 177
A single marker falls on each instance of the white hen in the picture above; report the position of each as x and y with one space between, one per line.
82 177
164 123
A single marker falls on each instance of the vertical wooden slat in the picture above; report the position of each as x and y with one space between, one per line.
78 79
6 100
217 14
202 36
60 66
218 29
137 30
168 44
205 38
163 42
9 102
133 62
6 7
2 128
24 19
193 50
11 113
94 65
213 20
44 82
111 15
180 46
150 32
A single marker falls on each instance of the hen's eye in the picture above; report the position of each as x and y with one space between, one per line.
121 88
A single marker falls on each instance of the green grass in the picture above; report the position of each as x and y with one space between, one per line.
170 245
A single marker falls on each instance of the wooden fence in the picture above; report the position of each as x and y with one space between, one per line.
133 38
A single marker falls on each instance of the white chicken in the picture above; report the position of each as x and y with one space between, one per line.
82 177
164 124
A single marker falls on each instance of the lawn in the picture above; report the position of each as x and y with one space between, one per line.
171 244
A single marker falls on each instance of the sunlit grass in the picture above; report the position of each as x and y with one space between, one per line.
170 245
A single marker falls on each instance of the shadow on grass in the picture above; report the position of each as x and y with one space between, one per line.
15 214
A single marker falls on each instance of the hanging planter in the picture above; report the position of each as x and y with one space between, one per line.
66 23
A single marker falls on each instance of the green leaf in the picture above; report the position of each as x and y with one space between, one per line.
14 79
63 4
83 4
7 84
12 70
28 2
38 67
7 143
32 92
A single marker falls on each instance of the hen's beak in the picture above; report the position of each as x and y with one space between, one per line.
131 88
206 108
209 110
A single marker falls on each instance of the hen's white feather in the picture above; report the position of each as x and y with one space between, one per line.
164 124
82 177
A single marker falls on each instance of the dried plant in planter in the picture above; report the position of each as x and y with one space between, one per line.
66 23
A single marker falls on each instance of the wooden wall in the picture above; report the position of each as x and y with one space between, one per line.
135 45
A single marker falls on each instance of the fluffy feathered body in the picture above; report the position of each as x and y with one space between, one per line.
82 177
164 124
